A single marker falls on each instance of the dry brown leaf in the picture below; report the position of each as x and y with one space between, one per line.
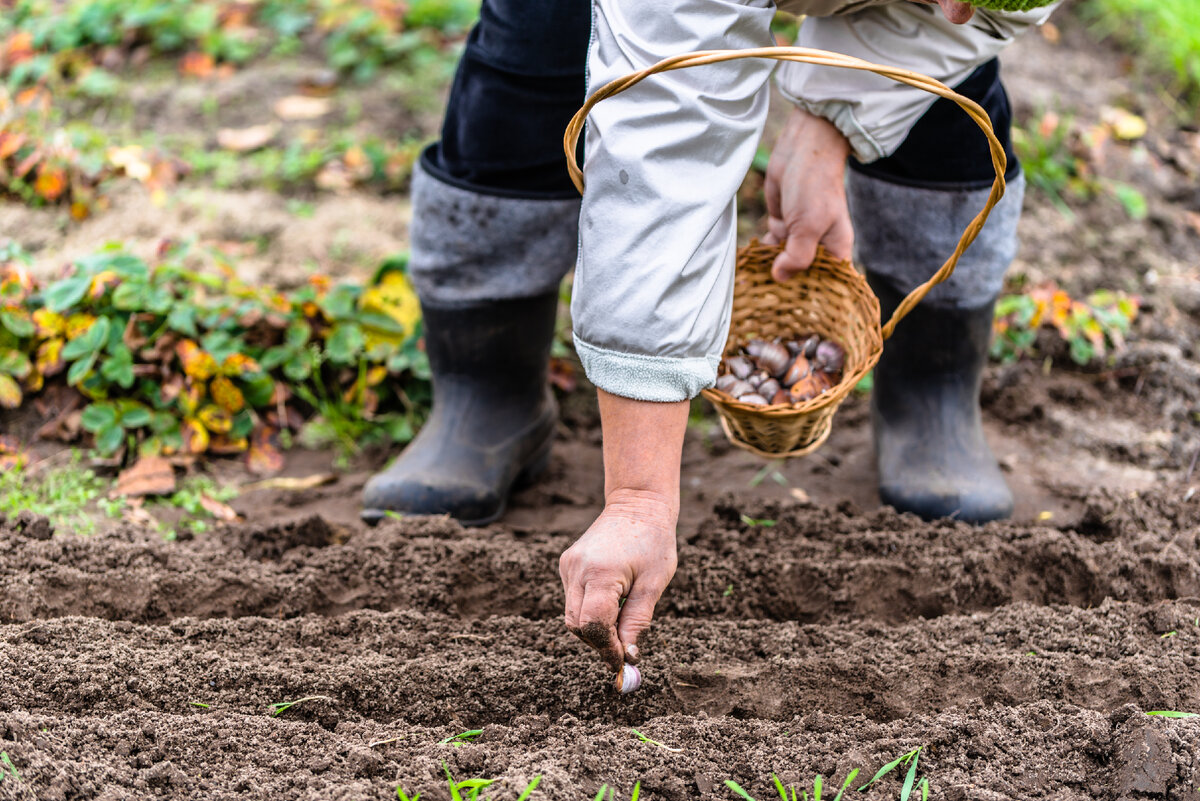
150 475
288 483
221 511
302 107
264 457
242 140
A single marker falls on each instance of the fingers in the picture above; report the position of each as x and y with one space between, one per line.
597 622
636 615
798 255
956 11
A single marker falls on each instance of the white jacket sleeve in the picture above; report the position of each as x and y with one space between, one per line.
876 113
663 162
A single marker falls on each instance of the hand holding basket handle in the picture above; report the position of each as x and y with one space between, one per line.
830 299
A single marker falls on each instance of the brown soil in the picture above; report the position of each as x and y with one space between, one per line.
1022 655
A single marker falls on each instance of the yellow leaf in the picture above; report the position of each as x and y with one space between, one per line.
189 400
195 437
196 363
1125 124
78 323
237 364
226 394
48 323
48 360
35 381
376 375
132 161
10 392
394 297
101 282
215 419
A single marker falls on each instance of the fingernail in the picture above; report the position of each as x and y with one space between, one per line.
631 654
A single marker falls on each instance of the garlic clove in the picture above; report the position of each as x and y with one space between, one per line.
809 348
809 387
799 369
740 366
754 399
782 396
724 382
768 388
628 680
830 356
770 356
739 388
757 379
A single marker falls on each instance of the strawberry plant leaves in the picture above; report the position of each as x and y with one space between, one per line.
108 440
89 342
182 318
15 363
65 294
136 417
79 370
18 321
118 367
345 343
99 416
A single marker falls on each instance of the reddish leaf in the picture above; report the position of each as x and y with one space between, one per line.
264 458
10 143
221 445
197 65
220 511
149 475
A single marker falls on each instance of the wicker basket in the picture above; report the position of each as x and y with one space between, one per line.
830 299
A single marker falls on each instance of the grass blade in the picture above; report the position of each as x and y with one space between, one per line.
846 784
779 787
910 779
889 767
737 788
817 788
637 791
600 794
528 791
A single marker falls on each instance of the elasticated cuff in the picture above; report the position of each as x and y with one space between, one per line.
661 379
865 147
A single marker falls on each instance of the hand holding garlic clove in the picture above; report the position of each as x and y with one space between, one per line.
771 373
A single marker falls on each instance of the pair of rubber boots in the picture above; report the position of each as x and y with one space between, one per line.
494 415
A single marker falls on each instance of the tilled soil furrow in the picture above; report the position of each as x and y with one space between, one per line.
1066 753
814 565
427 670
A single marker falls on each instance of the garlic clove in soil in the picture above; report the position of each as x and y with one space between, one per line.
628 680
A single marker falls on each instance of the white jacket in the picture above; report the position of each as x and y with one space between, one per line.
654 279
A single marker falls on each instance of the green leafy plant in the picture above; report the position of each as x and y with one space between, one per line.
1091 328
176 361
1163 33
65 494
663 746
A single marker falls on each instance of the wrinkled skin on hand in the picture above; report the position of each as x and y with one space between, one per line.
629 553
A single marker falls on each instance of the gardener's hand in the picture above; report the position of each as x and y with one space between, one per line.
629 552
806 194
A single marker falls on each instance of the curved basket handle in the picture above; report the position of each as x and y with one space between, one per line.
824 58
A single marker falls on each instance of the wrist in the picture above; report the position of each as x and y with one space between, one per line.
650 507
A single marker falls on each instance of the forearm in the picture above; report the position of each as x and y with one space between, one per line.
643 444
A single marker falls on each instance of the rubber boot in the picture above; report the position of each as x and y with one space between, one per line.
493 415
933 457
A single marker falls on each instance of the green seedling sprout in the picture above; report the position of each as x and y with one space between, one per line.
1168 634
910 780
789 793
9 768
283 706
462 738
612 793
200 704
403 796
728 591
474 787
646 739
754 522
769 470
1171 713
